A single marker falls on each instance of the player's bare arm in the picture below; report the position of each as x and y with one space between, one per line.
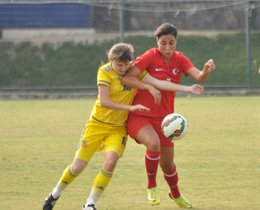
202 76
130 79
106 102
170 86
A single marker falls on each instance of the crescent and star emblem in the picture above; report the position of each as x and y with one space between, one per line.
175 71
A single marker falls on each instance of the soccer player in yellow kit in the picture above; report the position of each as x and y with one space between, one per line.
106 127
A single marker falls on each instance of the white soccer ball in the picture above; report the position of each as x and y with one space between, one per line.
174 126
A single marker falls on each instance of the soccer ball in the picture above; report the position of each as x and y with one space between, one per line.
174 126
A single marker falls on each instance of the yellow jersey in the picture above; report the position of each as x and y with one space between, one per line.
117 92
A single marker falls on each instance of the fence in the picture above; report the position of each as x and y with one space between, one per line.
60 44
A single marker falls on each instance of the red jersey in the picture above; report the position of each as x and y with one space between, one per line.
152 61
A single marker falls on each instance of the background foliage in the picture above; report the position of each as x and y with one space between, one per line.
76 65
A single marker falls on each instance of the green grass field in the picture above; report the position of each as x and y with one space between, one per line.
218 161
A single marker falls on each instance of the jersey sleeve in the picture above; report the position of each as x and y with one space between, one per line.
186 64
103 78
142 62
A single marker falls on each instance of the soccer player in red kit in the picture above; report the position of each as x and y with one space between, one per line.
163 63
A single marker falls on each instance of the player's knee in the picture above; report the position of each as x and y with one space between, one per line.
153 146
76 169
110 161
109 165
78 165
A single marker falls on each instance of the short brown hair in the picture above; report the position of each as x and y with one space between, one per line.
166 29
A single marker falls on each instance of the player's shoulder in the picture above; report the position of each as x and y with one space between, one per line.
106 68
179 54
153 51
147 55
106 71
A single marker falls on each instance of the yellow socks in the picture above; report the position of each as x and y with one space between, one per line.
100 184
67 177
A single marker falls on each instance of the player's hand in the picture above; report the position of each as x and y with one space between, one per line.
209 66
196 89
156 94
139 107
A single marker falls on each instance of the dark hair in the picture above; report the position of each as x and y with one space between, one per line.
121 52
166 29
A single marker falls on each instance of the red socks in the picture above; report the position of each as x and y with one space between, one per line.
151 162
172 180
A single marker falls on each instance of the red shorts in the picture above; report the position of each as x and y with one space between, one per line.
136 122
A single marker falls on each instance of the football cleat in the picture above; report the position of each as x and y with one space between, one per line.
49 202
153 196
181 202
89 207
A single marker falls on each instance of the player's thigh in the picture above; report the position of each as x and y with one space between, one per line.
141 129
91 140
115 140
149 138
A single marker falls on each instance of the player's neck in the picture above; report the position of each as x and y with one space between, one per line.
166 59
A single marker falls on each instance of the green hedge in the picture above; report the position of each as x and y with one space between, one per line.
75 65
